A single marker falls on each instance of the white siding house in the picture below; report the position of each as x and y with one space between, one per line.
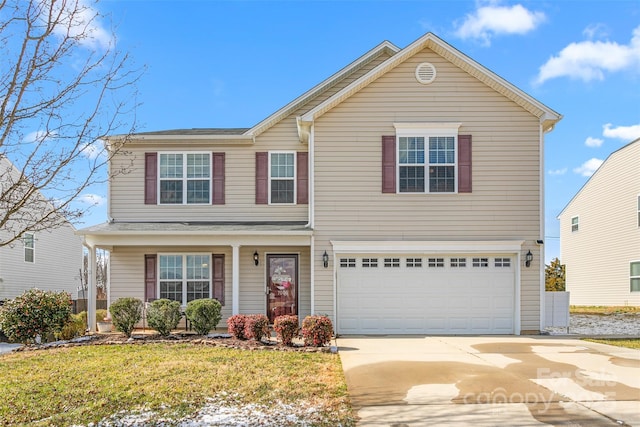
401 195
47 260
600 233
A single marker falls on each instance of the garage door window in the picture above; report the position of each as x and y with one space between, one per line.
369 262
503 262
347 262
392 262
458 262
414 262
436 262
481 262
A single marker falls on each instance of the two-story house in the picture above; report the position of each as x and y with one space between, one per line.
401 195
600 233
45 259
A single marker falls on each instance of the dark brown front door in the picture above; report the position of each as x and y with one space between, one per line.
282 285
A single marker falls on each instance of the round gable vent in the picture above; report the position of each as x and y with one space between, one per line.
425 73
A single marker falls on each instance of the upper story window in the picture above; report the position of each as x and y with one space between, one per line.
282 177
427 157
29 247
184 178
575 224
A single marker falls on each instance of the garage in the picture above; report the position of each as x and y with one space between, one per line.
422 293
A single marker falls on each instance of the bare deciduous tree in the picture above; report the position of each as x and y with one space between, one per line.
63 87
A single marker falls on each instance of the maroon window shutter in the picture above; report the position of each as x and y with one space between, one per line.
218 178
150 277
262 178
388 164
302 189
464 163
150 178
218 277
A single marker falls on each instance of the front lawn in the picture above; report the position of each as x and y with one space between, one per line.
621 342
593 309
79 385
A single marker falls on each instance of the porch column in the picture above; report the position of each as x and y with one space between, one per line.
92 290
235 279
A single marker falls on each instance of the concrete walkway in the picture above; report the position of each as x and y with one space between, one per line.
6 348
490 381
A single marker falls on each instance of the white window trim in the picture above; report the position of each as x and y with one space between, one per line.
426 130
184 255
32 248
632 277
638 211
294 179
577 224
185 179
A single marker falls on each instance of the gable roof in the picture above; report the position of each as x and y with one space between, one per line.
603 165
547 116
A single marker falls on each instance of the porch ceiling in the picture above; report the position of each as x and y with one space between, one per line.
196 234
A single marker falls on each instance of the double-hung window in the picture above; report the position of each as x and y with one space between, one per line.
184 278
282 177
29 247
427 157
634 276
185 178
575 224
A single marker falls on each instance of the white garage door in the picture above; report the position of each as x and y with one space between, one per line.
418 294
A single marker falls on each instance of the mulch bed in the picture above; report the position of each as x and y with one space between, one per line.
216 340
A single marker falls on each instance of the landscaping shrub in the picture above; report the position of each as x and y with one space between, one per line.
126 313
101 313
256 327
163 315
317 330
204 314
75 327
34 313
236 324
286 328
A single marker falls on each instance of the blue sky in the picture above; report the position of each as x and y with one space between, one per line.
233 63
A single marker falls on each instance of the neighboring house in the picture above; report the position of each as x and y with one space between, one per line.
48 260
600 233
401 195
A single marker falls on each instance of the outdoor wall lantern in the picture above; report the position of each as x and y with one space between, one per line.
325 259
528 258
256 258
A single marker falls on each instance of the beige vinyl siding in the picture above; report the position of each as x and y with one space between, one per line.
127 275
127 190
56 267
597 256
506 196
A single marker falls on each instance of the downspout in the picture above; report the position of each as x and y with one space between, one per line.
310 224
542 230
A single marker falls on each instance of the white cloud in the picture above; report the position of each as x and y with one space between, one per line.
79 19
593 142
38 136
589 60
92 199
627 133
491 20
588 167
94 150
595 31
555 172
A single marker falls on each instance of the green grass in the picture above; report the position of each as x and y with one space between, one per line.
622 342
584 309
78 385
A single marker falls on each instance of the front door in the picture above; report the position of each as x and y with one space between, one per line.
282 285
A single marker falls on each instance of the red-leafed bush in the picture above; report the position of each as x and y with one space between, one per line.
286 328
256 326
317 330
236 324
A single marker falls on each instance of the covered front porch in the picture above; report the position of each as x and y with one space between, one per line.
261 268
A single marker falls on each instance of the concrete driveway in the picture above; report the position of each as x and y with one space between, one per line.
490 381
